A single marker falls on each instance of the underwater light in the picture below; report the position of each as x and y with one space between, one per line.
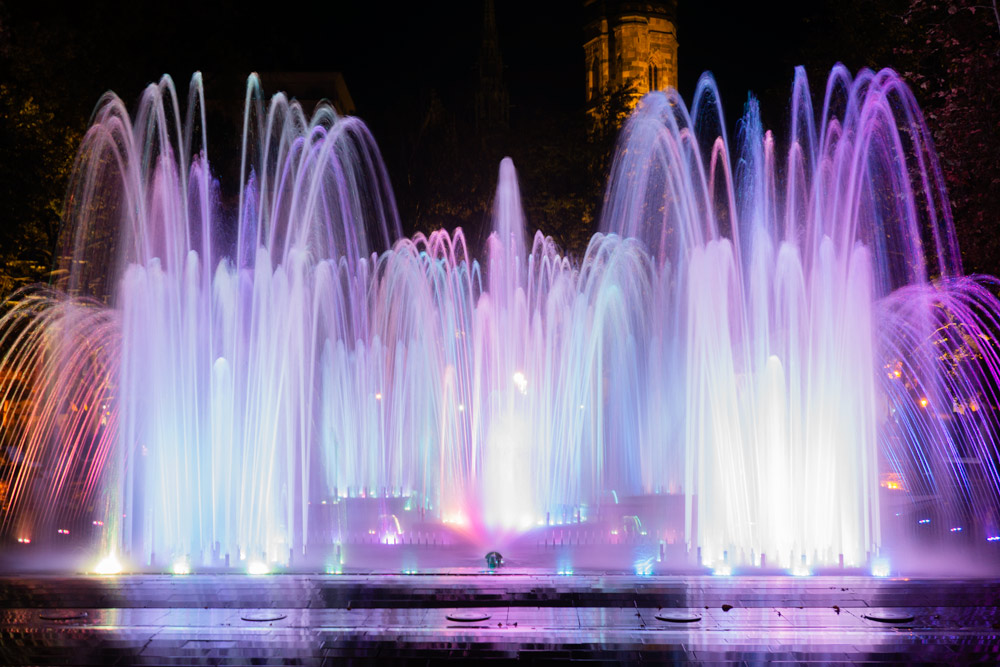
257 567
181 567
722 570
880 567
801 571
644 568
108 565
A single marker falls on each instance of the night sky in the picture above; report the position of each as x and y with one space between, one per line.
390 54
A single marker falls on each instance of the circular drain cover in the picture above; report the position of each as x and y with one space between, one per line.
263 618
889 616
63 616
468 616
678 617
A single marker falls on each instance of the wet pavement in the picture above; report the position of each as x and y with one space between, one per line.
416 619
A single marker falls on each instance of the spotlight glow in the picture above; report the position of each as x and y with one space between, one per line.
181 567
880 567
644 567
109 565
258 568
722 570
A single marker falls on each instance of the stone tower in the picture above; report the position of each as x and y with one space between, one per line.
492 103
628 43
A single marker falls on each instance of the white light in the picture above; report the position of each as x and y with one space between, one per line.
880 567
461 407
257 567
181 567
722 570
108 565
801 571
521 382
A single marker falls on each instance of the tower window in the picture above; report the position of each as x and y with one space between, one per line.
654 83
595 79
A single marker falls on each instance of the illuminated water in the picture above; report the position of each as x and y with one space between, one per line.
769 349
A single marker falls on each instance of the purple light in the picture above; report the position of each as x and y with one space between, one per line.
924 521
957 529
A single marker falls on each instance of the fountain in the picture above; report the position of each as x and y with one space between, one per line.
769 357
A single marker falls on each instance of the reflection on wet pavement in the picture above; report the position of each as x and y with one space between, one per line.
315 620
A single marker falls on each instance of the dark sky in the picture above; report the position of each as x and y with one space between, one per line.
390 53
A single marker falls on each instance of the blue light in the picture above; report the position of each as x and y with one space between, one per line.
957 529
993 538
644 568
924 521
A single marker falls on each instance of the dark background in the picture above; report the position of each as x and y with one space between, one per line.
412 72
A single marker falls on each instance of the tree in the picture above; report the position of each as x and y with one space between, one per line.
38 157
952 60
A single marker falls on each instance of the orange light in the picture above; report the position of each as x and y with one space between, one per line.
891 481
923 402
897 373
